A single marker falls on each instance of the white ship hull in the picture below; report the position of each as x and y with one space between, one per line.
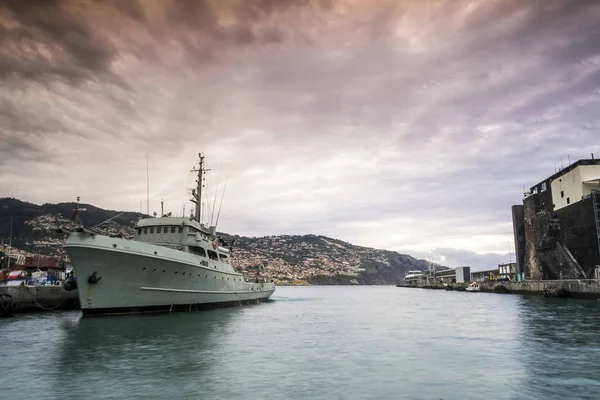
137 277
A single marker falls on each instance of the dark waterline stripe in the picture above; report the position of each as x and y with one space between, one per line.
168 308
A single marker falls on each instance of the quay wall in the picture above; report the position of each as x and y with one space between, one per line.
32 298
576 288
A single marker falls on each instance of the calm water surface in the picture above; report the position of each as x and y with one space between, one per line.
315 343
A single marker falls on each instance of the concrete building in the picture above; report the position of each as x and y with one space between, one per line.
486 275
507 270
455 275
557 231
463 274
413 277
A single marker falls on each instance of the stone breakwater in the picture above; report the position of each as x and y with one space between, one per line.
40 298
575 288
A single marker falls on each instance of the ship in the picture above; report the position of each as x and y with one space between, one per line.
170 264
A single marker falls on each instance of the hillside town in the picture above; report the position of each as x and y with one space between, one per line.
289 258
45 238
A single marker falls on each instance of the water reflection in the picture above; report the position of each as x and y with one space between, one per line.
559 347
564 322
134 351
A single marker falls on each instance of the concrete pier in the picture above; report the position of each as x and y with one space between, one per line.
575 288
40 298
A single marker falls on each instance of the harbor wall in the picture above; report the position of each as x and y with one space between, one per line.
576 288
32 298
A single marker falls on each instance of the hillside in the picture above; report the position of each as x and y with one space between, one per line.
287 258
34 225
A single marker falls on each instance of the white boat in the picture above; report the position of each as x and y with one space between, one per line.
473 287
172 263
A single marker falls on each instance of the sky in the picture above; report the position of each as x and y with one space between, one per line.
402 125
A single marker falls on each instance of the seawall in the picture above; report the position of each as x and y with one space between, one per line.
575 288
40 298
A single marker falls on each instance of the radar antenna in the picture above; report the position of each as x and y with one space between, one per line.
197 194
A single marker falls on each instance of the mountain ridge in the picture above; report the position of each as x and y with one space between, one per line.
288 259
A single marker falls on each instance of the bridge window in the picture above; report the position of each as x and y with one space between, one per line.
212 255
199 251
173 229
139 231
145 231
151 229
158 229
223 257
180 229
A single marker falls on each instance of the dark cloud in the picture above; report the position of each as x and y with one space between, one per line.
197 15
52 39
24 147
130 8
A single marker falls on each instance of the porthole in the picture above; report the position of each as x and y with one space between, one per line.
155 253
164 271
114 245
175 272
143 269
206 276
215 277
154 270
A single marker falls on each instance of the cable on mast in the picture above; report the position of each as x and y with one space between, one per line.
110 219
212 215
222 196
147 186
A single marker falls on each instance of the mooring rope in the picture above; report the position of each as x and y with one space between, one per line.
41 306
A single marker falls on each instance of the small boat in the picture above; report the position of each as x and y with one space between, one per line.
473 287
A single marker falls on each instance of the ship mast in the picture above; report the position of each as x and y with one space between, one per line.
197 194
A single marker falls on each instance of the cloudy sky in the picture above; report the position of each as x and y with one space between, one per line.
405 125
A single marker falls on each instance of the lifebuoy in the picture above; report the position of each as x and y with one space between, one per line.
214 245
5 304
